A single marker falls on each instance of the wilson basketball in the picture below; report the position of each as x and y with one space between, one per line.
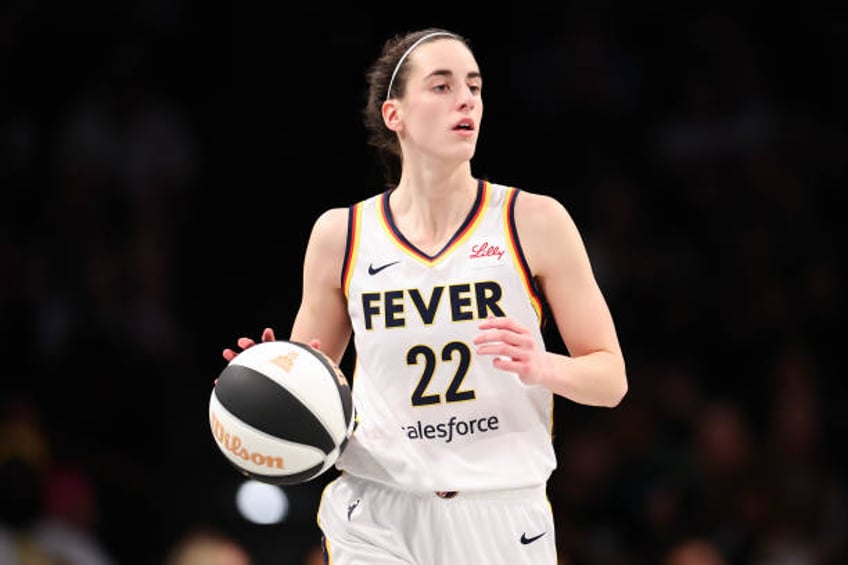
281 412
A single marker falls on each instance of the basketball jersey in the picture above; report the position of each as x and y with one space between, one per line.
432 414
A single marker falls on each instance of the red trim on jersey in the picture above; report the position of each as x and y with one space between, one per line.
471 221
353 236
520 261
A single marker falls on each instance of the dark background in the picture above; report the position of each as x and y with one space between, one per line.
161 164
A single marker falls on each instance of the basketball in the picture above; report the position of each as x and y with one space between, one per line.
281 412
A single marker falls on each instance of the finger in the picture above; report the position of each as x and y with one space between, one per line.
315 344
229 354
245 342
505 364
499 349
502 323
268 335
495 336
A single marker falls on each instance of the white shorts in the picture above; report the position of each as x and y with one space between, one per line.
366 523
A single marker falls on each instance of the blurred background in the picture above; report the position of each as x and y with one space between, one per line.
161 164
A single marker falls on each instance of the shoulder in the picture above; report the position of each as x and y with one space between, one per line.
540 212
329 230
332 219
534 211
546 230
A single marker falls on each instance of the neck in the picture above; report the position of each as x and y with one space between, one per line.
429 212
440 188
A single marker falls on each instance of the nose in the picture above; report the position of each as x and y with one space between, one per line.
466 98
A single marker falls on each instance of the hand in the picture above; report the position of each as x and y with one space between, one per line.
245 342
512 347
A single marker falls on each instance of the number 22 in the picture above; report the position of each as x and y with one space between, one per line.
452 394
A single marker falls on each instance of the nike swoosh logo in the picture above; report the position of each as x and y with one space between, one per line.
372 270
525 540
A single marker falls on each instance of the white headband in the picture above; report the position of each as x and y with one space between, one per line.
406 54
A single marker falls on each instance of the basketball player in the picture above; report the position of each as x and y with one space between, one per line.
443 281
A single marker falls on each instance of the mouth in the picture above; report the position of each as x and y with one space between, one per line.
466 124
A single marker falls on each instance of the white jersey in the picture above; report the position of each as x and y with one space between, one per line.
432 415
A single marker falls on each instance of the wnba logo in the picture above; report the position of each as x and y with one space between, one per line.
232 443
285 362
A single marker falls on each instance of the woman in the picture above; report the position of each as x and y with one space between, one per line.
443 281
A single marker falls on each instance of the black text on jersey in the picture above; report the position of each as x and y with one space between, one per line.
467 301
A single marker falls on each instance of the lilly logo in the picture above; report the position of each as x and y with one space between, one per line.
230 442
486 250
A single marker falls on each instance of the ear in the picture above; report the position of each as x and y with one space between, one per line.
391 115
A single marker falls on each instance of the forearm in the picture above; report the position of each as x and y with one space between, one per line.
595 379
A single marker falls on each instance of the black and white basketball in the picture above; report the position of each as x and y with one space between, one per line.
281 412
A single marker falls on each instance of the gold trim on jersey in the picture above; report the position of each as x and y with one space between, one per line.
470 224
353 238
517 256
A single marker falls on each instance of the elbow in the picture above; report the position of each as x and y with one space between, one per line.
618 393
616 387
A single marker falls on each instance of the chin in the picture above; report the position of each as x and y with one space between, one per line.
466 153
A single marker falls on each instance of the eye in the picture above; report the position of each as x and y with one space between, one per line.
475 88
442 87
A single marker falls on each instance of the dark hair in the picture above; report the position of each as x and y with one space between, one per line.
378 76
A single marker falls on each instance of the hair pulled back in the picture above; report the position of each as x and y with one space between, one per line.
379 77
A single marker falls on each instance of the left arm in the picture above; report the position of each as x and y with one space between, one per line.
594 372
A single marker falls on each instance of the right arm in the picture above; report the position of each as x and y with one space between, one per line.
322 314
322 319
